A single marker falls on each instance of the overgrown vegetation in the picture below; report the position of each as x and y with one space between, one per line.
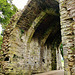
1 38
7 9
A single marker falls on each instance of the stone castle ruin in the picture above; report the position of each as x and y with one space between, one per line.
32 39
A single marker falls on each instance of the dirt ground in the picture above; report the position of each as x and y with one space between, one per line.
56 72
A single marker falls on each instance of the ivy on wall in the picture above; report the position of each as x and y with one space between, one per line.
1 38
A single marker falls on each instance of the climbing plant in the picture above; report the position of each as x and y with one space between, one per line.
1 38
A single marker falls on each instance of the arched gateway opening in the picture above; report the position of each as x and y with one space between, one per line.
32 40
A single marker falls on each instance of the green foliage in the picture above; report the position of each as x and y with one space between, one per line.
7 10
1 38
61 48
22 31
1 33
73 48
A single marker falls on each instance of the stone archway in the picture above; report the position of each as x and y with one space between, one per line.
33 36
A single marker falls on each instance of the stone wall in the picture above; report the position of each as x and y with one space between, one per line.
22 57
25 52
67 11
58 58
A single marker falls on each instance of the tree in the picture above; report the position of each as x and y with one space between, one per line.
7 9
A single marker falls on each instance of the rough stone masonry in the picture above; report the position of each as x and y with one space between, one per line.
67 11
32 39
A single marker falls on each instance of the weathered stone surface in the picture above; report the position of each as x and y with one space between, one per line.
68 36
32 36
58 58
